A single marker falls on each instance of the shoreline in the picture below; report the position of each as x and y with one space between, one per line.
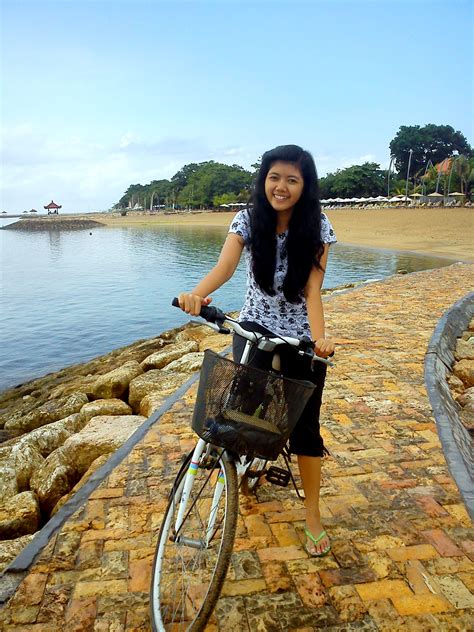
440 231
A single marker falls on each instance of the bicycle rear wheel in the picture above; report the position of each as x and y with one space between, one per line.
189 566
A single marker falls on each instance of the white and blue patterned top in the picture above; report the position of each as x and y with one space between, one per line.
275 312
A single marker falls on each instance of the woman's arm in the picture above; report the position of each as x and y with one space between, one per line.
225 267
314 305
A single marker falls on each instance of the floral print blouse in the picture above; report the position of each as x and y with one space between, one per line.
275 312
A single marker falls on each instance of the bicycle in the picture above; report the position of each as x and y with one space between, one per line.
244 417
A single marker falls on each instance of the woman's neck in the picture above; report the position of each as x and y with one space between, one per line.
283 220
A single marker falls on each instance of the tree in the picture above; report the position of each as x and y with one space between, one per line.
430 142
463 168
209 180
364 180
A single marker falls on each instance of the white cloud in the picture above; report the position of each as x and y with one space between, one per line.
326 163
85 174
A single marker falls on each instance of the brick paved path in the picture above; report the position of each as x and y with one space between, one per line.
401 547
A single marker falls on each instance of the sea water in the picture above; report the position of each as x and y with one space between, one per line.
68 296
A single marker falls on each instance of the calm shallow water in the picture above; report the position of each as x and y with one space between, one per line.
68 296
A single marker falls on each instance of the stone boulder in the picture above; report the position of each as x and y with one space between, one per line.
189 363
50 437
114 384
9 549
52 410
161 382
150 403
8 483
18 409
5 452
25 460
101 460
173 352
19 516
77 384
455 384
104 407
464 349
467 397
56 476
102 435
193 332
141 349
464 370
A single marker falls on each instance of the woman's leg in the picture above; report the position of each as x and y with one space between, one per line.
310 470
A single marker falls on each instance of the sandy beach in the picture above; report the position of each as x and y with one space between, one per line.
447 232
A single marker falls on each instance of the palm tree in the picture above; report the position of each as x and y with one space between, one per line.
463 170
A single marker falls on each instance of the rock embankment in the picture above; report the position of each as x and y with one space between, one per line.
461 380
53 223
60 428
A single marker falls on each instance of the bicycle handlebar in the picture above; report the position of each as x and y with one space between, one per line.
211 314
217 317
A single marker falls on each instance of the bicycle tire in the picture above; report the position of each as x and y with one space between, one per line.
186 581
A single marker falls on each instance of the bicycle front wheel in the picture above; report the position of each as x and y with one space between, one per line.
191 560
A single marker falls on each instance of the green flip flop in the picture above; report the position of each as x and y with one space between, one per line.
315 541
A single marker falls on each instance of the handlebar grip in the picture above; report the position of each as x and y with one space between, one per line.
211 314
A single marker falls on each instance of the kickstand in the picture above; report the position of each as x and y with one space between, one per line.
286 455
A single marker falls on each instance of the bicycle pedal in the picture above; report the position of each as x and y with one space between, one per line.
277 476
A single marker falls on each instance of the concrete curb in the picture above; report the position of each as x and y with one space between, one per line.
455 439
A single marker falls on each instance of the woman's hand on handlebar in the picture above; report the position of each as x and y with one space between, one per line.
192 303
324 347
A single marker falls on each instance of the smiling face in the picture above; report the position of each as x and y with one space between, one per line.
284 185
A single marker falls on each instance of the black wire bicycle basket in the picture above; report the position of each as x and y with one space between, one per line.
247 410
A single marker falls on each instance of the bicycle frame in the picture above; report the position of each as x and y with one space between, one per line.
264 343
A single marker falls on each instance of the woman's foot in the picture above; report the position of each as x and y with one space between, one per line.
317 541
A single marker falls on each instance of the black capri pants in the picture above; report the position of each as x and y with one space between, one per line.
306 437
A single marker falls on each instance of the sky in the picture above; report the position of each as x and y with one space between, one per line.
98 95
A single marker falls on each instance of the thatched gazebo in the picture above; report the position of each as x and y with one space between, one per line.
53 208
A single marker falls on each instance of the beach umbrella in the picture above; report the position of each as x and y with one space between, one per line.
435 194
416 195
457 194
395 199
381 198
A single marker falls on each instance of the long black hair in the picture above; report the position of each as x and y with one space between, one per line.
303 244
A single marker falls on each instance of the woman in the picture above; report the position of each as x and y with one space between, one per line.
286 239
